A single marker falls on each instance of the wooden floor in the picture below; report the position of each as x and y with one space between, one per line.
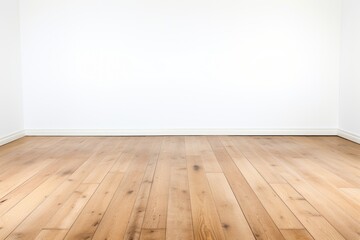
180 188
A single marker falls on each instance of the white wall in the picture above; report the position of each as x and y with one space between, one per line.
350 69
11 121
118 64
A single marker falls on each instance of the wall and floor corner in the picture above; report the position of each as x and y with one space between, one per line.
349 114
11 112
184 67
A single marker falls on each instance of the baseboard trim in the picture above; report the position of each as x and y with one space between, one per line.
349 136
11 137
162 132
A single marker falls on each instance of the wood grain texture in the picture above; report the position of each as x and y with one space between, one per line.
180 188
152 234
229 209
261 223
51 234
206 221
296 234
179 220
121 206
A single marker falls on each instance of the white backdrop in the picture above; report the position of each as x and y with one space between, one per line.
11 120
118 64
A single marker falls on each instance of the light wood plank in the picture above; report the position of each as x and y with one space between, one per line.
267 166
13 216
332 212
156 211
259 220
38 218
312 220
296 234
137 216
232 218
206 221
51 234
343 222
86 224
179 221
67 214
152 234
279 212
353 193
62 166
120 208
200 146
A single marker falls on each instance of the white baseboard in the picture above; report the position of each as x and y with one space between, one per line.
349 136
11 137
161 132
